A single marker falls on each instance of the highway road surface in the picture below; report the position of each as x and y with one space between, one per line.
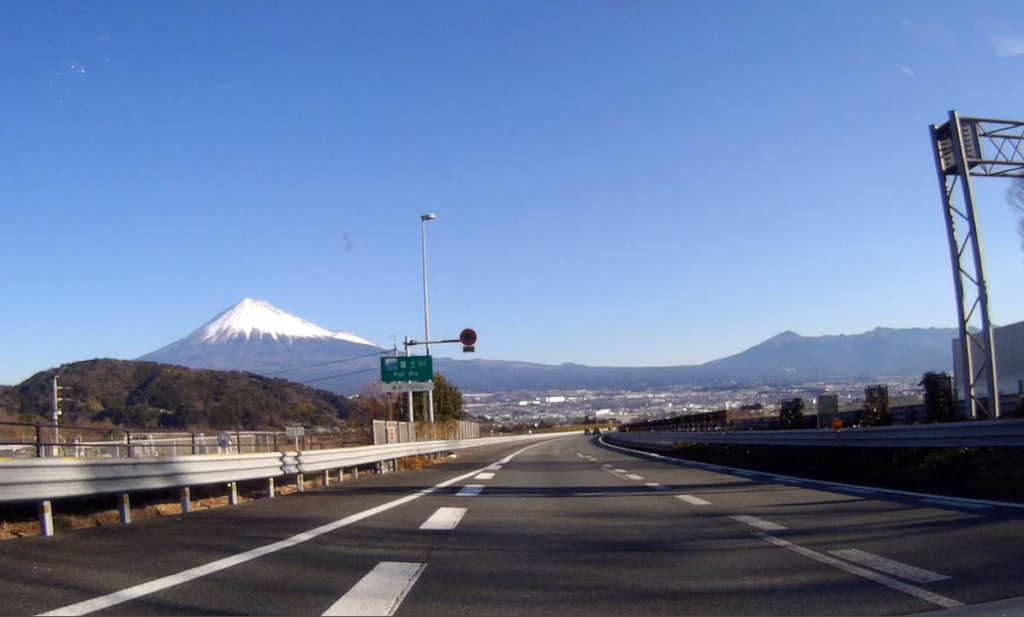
567 526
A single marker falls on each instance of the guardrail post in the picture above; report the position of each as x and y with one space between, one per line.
299 487
341 474
327 477
186 500
270 488
45 519
124 509
39 440
355 473
232 493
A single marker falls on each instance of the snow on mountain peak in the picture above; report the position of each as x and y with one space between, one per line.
255 318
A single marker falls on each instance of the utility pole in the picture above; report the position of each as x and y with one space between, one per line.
412 417
55 414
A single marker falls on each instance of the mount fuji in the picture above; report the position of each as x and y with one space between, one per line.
254 336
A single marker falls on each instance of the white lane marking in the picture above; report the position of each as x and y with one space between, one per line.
881 579
607 466
962 501
760 523
144 589
487 475
902 570
580 454
947 503
620 470
656 486
380 592
470 490
444 519
696 501
633 476
494 467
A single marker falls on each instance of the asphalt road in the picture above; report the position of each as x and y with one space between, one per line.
567 526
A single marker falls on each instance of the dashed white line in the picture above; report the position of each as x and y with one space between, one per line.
656 486
494 467
955 504
695 501
380 592
760 523
633 476
902 570
484 476
444 519
619 470
881 579
470 490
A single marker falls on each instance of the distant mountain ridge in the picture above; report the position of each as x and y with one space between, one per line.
254 336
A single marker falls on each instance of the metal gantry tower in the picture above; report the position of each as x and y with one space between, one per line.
965 147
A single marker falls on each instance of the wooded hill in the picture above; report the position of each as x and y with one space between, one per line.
138 394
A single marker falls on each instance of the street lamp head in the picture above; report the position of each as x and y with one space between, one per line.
427 217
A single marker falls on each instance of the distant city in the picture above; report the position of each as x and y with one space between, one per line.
573 407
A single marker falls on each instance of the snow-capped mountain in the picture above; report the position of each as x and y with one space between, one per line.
256 318
256 337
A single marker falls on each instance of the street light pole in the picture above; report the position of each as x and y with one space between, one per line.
426 319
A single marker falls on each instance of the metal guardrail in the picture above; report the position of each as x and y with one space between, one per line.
986 433
43 479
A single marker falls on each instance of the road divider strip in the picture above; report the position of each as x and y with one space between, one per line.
380 592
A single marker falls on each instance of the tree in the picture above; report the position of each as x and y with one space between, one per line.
1015 197
791 414
938 396
447 402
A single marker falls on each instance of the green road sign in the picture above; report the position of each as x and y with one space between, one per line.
406 368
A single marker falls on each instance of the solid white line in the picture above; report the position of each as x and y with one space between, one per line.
656 486
946 503
487 475
470 490
892 583
696 501
151 587
444 519
902 570
760 523
380 592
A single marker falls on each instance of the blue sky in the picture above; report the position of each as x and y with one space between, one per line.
615 183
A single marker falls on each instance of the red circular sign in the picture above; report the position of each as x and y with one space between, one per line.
467 337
